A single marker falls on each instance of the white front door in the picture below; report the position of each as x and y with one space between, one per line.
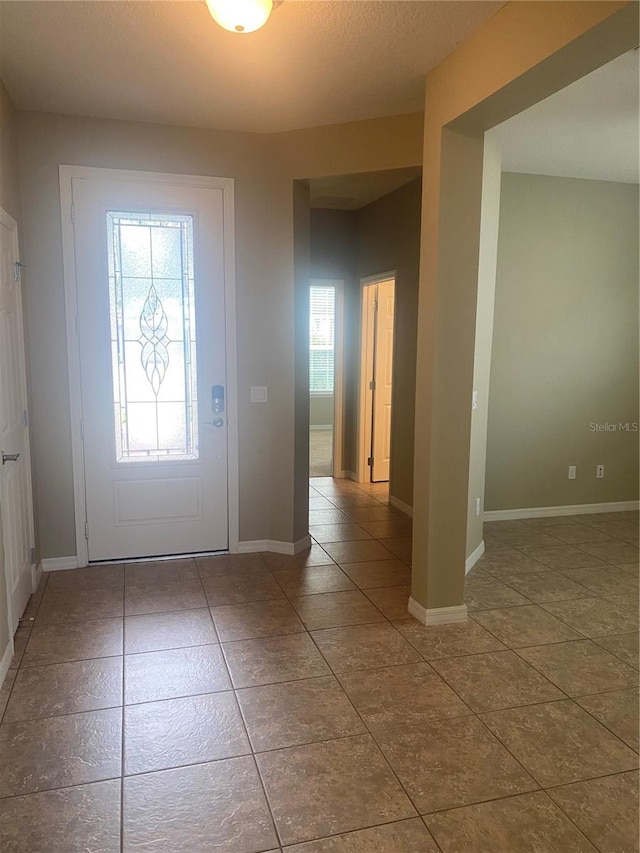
150 290
15 470
383 381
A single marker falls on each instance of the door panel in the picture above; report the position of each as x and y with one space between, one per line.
383 382
15 471
151 326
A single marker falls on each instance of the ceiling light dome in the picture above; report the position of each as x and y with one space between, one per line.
240 16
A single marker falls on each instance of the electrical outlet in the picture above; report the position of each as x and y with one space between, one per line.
572 472
477 506
599 472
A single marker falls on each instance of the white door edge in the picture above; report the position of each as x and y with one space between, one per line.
67 174
10 223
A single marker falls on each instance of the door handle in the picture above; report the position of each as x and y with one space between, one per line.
9 457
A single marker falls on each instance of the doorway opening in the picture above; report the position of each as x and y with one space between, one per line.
376 378
521 473
365 229
325 377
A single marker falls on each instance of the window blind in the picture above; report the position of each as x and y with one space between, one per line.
321 339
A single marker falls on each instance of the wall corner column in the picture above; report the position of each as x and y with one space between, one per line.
452 192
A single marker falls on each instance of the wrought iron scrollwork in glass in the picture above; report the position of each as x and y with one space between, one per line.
153 336
153 339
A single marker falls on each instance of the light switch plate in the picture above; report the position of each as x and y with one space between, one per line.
258 394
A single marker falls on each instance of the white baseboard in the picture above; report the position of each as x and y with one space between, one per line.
396 503
321 426
553 511
5 661
345 475
437 615
256 545
59 564
473 558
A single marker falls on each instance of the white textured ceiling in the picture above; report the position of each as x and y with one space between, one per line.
588 130
314 63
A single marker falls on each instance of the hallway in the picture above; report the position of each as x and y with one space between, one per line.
262 702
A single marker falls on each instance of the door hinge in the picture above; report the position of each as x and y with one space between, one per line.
82 429
77 326
25 417
72 213
370 461
86 530
32 556
17 268
372 385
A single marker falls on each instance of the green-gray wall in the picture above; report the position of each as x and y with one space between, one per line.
349 245
565 344
333 256
487 263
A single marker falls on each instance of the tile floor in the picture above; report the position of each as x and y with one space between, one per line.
264 702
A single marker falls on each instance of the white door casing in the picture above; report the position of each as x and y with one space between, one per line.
383 382
16 502
153 506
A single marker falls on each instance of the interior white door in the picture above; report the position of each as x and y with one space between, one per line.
383 382
150 289
15 470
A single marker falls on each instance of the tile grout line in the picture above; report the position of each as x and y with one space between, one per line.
44 582
335 676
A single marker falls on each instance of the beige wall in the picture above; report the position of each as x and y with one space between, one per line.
344 149
272 314
527 51
10 202
46 141
565 344
381 237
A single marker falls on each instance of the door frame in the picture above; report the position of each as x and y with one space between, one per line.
67 174
365 369
10 223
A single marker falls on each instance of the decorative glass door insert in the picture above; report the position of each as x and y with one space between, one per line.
153 336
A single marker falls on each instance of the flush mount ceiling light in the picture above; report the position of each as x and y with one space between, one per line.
240 16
